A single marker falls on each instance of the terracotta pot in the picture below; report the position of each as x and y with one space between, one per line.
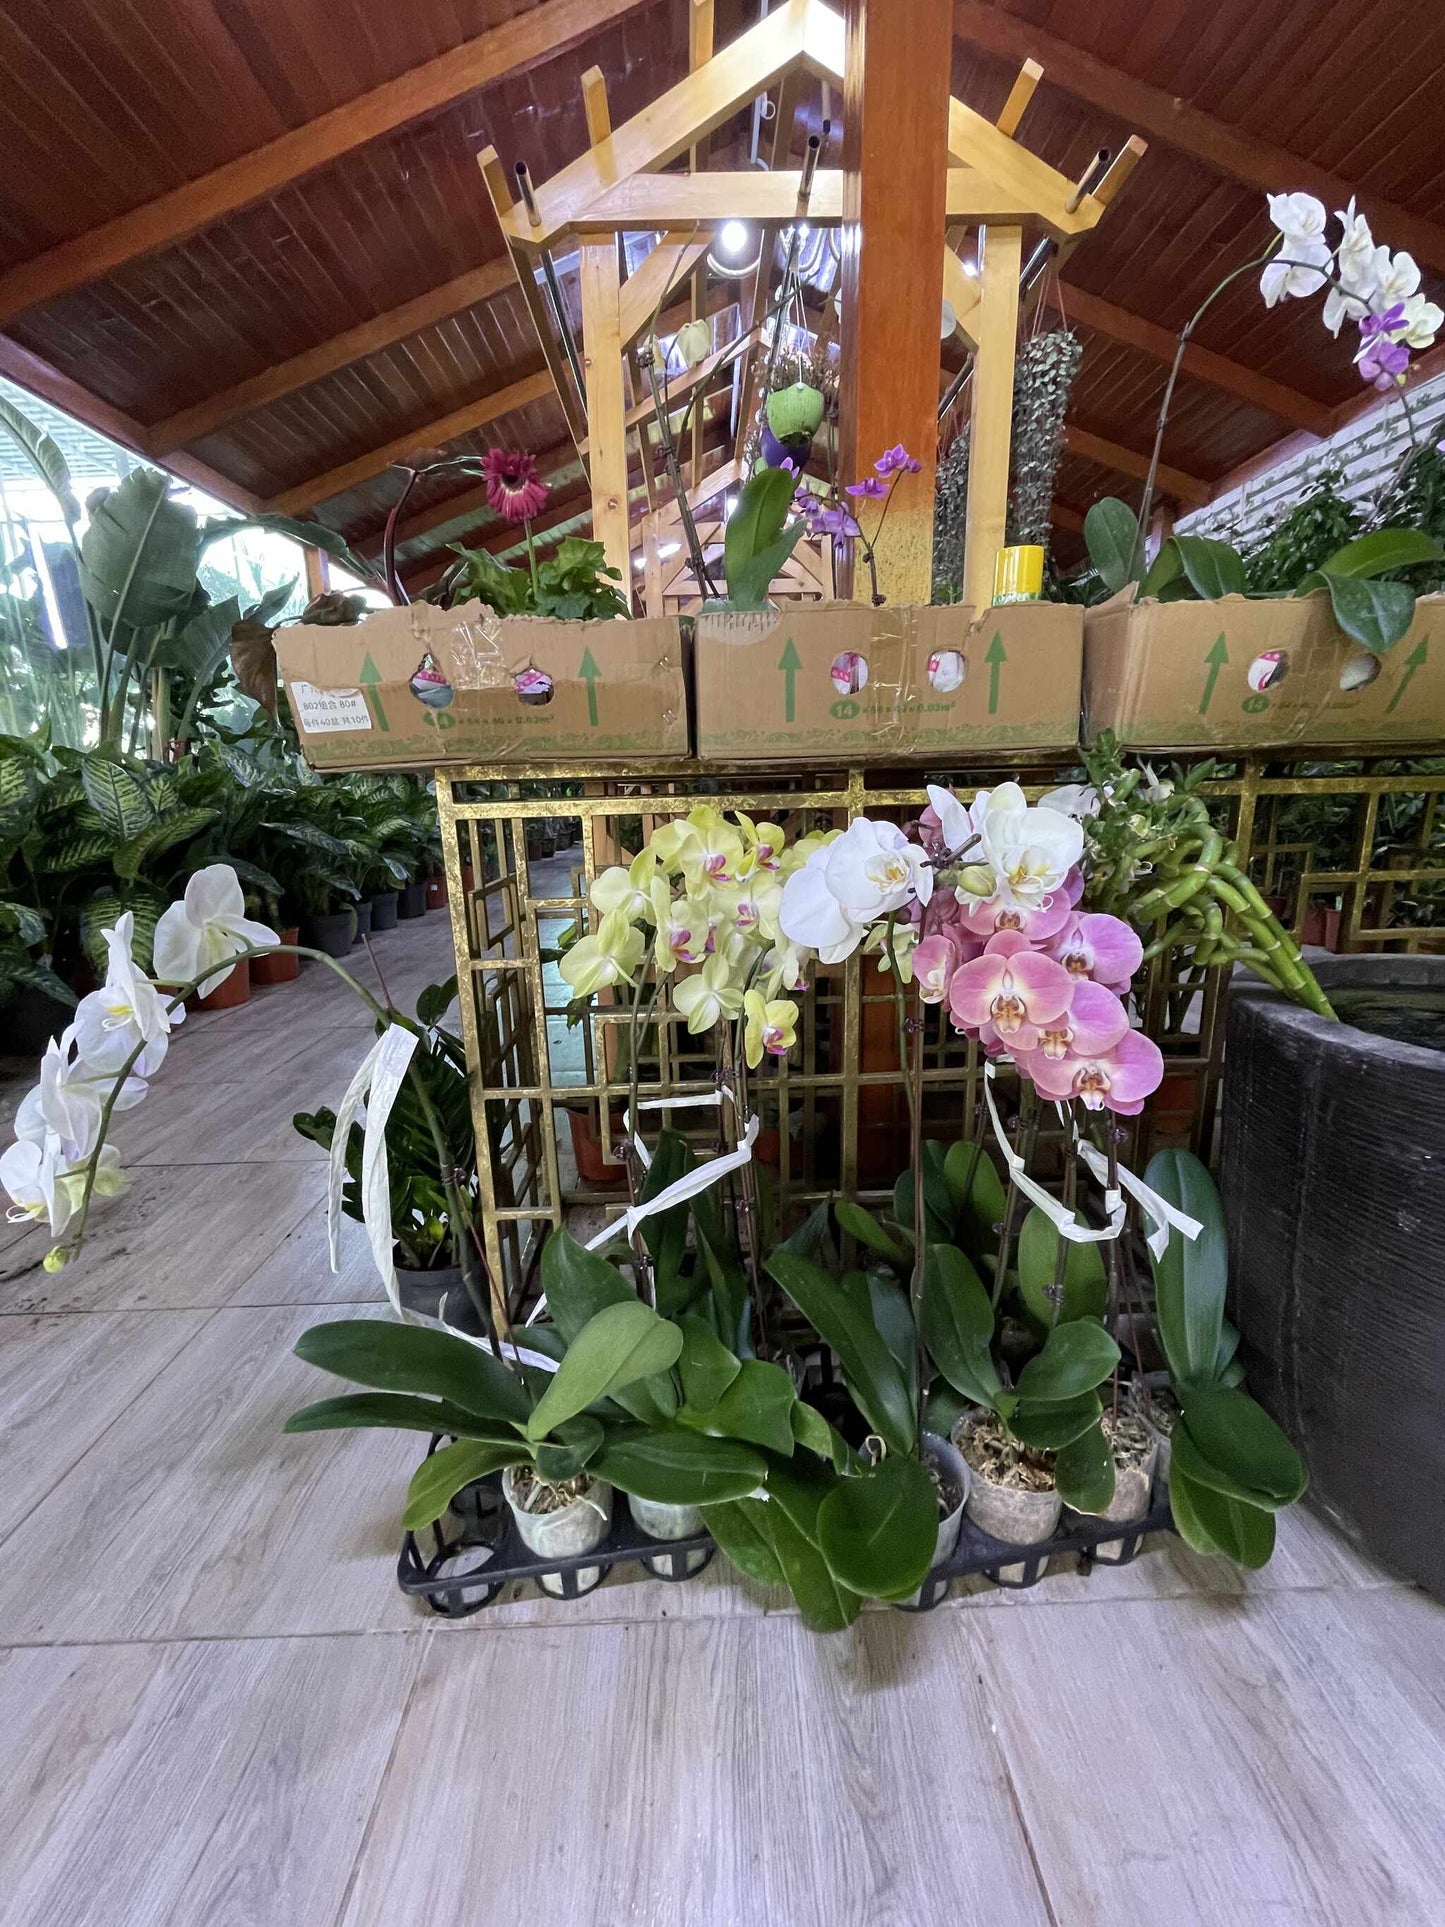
1321 926
235 990
280 967
436 893
587 1146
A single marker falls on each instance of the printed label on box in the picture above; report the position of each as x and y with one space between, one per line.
319 710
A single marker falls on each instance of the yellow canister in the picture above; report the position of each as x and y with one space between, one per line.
1018 574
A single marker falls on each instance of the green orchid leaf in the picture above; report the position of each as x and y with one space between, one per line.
572 1447
1210 1523
1241 1445
1076 1357
1111 533
978 1194
938 1202
958 1324
1084 1471
414 1358
1085 1286
878 1531
1191 1277
1166 571
1375 614
741 1529
674 1466
893 1315
438 1479
879 1387
757 1406
614 1349
858 1222
813 1431
578 1284
396 1411
705 1364
754 536
1049 1428
1214 568
1381 552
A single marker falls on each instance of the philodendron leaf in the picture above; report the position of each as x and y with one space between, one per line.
1210 1523
1214 568
1111 532
620 1345
396 1411
1075 1358
414 1358
1241 1449
740 1528
674 1466
705 1364
437 1479
878 1385
757 1406
572 1446
1191 1276
878 1530
958 1324
1085 1287
1375 614
1084 1471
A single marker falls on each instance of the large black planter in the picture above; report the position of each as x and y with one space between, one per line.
383 911
332 933
1334 1181
423 1290
30 1020
411 902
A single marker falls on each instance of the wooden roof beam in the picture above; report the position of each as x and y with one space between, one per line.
437 434
203 418
1118 324
526 39
1129 461
1228 150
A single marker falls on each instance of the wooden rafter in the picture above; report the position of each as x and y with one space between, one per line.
499 191
1260 391
1229 150
1129 461
314 364
537 35
436 434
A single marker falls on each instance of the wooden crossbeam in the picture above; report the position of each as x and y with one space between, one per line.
1246 384
436 434
203 418
1228 150
1019 96
539 34
664 271
494 177
1129 461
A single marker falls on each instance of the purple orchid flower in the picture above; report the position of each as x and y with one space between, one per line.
834 522
870 486
1381 361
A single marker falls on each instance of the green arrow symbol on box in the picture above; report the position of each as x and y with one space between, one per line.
589 672
995 660
1412 663
370 677
1217 658
790 662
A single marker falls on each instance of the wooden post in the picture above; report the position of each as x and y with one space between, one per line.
895 154
606 415
996 327
318 572
699 53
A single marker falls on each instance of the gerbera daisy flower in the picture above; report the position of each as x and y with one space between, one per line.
514 488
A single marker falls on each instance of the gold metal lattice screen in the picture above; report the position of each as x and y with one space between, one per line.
548 1094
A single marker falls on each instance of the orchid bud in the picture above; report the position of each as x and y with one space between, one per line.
975 880
56 1259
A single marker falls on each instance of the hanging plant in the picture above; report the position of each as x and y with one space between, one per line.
795 411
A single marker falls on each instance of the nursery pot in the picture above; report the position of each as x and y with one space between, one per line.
1321 926
235 990
363 920
436 893
331 934
1133 1495
383 911
411 901
439 1292
587 1147
947 1457
31 1019
278 966
1008 1512
1335 1199
665 1522
561 1535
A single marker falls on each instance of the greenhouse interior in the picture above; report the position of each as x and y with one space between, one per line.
722 963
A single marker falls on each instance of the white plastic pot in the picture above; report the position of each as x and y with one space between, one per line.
668 1522
949 1459
1133 1494
1008 1512
574 1528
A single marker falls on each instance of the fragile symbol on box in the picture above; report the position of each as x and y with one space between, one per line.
319 710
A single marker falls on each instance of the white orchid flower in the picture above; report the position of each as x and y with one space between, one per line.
1423 321
206 928
1031 849
1355 256
1072 799
867 873
897 957
126 1011
1397 277
1299 217
1302 270
1340 308
43 1182
952 817
69 1099
1155 788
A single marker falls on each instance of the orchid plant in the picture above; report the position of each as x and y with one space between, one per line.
828 514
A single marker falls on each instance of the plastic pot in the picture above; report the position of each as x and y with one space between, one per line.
363 920
226 996
411 902
278 966
1008 1512
563 1534
587 1146
1133 1494
383 911
666 1522
436 893
330 934
439 1291
946 1455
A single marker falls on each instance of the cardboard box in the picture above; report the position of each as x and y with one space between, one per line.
858 684
1243 675
421 685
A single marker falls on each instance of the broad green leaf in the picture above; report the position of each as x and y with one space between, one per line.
1048 1428
674 1466
665 1232
878 1386
1191 1277
1209 1522
740 1528
1075 1358
413 1358
397 1411
438 1479
893 1315
813 1431
314 535
176 828
1166 571
1381 552
937 1194
1111 532
140 552
201 645
578 1284
1214 568
1242 1443
117 795
858 1222
1084 1471
753 538
958 1324
572 1446
614 1349
1086 1287
827 1606
979 1197
705 1364
878 1531
748 585
44 455
757 1406
943 1408
1375 614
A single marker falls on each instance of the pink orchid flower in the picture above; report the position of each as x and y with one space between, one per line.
1038 923
1012 986
1101 947
1094 1021
934 961
1119 1078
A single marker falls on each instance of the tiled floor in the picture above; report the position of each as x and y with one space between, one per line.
218 1711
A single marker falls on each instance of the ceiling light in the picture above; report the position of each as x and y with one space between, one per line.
668 548
734 239
970 268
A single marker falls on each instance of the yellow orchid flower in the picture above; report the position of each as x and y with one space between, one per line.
683 927
708 996
762 845
771 1027
626 889
609 956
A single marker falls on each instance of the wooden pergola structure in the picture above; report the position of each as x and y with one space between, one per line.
920 168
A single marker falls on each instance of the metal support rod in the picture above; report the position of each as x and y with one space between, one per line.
647 357
790 266
553 286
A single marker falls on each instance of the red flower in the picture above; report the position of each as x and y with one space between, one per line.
514 488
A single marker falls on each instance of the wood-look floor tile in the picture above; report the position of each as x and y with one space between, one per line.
726 1773
63 1381
298 1271
196 1516
169 1785
1213 1760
